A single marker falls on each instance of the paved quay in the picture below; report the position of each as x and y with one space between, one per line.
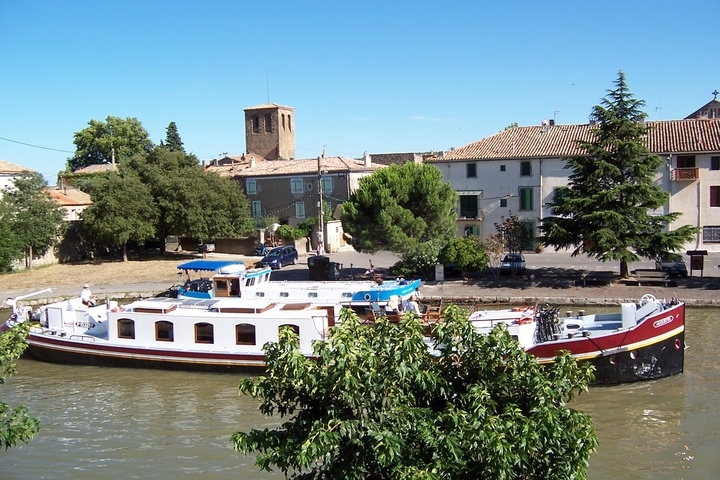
550 278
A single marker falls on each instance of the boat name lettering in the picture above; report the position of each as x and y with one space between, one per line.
663 321
85 324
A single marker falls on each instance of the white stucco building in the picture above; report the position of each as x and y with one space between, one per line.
517 171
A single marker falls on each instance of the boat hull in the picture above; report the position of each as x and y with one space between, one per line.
100 355
653 349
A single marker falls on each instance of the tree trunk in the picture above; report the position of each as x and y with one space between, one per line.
624 269
124 252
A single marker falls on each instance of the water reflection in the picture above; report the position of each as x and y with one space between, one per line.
119 423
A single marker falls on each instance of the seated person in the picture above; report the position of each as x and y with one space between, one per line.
393 307
87 297
412 306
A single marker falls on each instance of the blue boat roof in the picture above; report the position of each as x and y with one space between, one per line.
210 265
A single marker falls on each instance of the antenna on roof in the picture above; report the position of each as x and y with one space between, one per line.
267 86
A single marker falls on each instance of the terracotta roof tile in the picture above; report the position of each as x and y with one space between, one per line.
7 167
266 168
69 197
558 141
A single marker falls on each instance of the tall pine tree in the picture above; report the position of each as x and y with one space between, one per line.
609 208
172 139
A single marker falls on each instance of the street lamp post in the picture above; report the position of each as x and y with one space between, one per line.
321 224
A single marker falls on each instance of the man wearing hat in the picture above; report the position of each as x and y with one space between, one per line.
87 297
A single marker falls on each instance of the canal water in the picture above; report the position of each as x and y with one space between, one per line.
120 424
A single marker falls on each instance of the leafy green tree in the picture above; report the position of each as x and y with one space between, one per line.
399 207
215 208
116 138
374 402
36 220
17 427
10 248
172 139
122 211
605 212
467 253
513 234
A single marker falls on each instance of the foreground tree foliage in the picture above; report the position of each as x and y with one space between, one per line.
605 212
33 220
400 207
376 403
17 427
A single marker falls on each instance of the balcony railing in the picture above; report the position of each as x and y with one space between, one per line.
685 174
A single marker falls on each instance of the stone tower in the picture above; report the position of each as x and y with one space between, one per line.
270 131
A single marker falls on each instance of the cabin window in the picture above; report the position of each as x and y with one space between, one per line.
249 282
164 331
312 294
260 294
204 333
245 334
284 294
221 287
126 328
294 328
347 295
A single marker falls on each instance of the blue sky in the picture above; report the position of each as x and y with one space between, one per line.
375 76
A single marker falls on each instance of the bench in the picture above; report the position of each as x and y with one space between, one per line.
652 277
605 277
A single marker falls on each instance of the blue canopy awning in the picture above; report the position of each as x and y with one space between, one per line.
207 265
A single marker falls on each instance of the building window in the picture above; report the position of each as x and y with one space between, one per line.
686 161
289 123
326 184
256 209
711 234
268 124
468 206
559 193
163 331
503 203
296 185
471 170
525 169
714 163
300 209
204 333
126 328
250 187
245 334
502 168
526 199
256 124
715 196
471 230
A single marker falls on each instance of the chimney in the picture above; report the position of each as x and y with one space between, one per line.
252 162
368 161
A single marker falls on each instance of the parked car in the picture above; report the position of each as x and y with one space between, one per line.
673 263
512 263
278 257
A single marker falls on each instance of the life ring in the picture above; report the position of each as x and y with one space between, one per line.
524 321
